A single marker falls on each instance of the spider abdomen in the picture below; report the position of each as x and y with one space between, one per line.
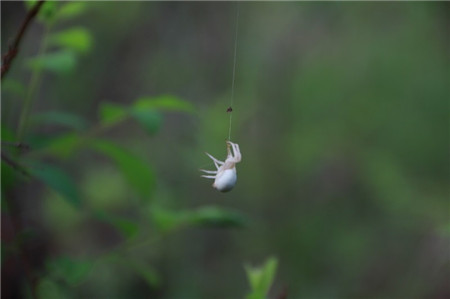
225 180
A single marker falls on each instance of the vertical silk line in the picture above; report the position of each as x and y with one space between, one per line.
234 68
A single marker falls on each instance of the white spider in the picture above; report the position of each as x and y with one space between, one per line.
225 175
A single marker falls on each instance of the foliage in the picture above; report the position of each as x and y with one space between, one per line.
58 62
78 136
208 216
57 179
76 39
261 278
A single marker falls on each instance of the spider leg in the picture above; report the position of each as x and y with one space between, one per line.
229 153
214 159
237 152
209 176
208 171
216 162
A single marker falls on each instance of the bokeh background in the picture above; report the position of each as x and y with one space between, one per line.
341 111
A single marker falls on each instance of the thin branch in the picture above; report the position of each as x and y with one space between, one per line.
15 165
14 48
18 145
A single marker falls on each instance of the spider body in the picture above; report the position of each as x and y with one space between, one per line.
225 176
226 180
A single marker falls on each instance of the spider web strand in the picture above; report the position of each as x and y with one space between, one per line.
234 68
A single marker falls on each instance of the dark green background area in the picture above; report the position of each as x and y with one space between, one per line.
341 111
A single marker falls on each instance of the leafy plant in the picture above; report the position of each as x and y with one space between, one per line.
261 278
47 155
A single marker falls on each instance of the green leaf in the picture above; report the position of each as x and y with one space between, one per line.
111 114
165 103
147 272
136 171
145 110
78 39
58 62
7 134
150 120
65 119
46 13
261 278
127 227
71 10
215 216
63 146
73 271
29 4
167 220
58 180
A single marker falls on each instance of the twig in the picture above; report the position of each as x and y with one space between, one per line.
14 48
15 165
19 145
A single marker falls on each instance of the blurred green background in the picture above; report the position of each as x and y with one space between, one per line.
341 111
